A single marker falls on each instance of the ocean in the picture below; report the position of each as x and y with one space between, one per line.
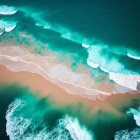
27 116
88 48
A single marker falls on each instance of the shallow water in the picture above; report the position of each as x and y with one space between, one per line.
89 44
40 118
64 27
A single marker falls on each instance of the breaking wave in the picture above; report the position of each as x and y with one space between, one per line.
128 135
97 53
133 134
7 10
110 61
133 57
7 26
136 114
25 121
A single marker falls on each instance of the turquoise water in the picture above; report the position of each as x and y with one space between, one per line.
27 116
31 117
110 26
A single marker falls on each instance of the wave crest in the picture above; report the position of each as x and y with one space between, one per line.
136 114
7 10
23 123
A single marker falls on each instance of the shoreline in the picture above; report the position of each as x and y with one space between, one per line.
62 72
37 84
16 65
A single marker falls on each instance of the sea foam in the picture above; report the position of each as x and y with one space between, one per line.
85 45
7 10
128 135
136 114
24 123
6 25
113 67
129 81
9 29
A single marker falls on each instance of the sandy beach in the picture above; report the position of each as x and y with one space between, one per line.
44 87
65 97
70 70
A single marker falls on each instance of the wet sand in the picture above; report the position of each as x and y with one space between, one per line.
14 64
49 62
98 115
44 87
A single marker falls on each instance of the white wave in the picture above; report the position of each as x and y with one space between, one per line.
133 57
20 127
15 125
92 64
7 13
85 45
112 66
136 114
7 26
128 135
6 10
1 33
103 69
129 81
76 131
95 50
9 29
